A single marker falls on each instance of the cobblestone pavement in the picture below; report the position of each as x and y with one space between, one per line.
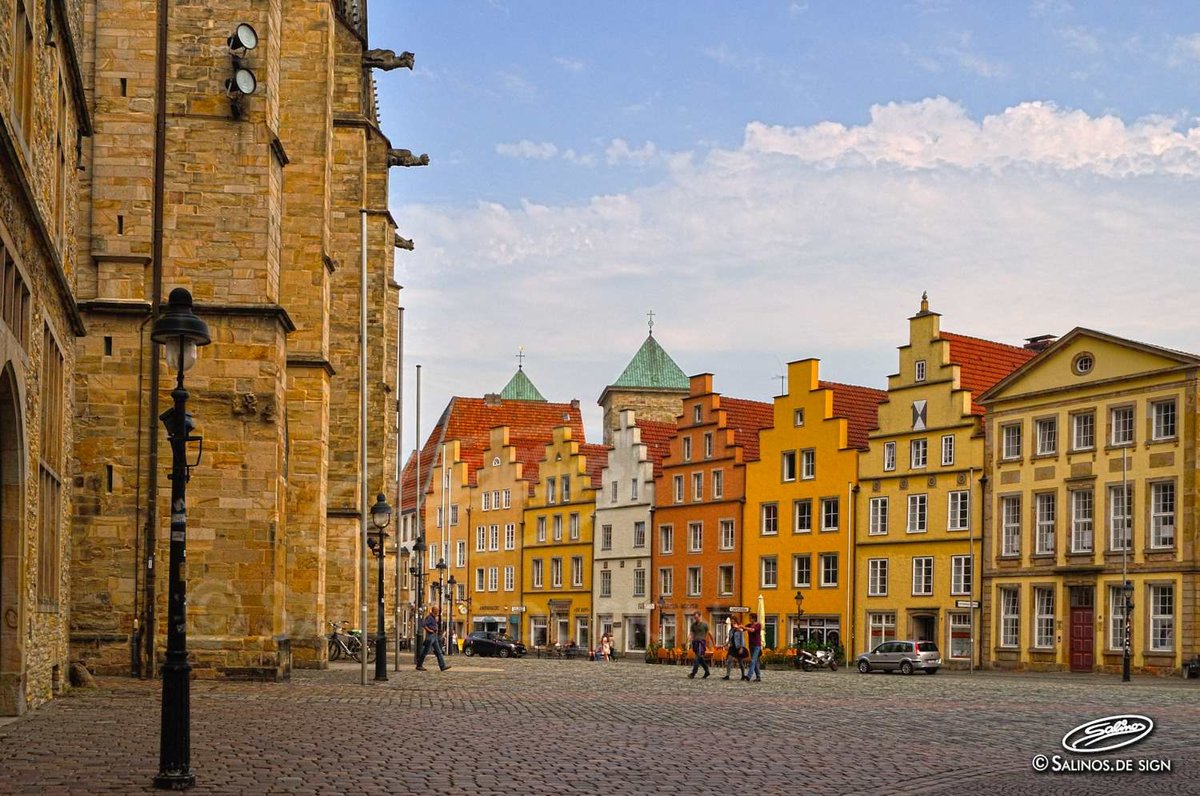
563 727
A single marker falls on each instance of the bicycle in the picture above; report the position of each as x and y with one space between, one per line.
348 643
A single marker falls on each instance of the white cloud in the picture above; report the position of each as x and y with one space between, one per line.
528 150
570 64
619 152
571 156
1185 50
517 86
725 56
1080 39
818 241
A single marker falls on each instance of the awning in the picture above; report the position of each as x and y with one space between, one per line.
500 619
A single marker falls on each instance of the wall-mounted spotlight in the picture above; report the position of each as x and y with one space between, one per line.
244 38
243 82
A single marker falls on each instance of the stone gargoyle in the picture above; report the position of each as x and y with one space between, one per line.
387 60
405 157
403 243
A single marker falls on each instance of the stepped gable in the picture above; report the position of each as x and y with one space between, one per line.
860 407
747 418
657 439
982 363
531 425
652 368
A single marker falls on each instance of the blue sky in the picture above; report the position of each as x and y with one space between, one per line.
780 180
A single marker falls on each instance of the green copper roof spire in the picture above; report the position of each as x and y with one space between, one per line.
652 368
519 387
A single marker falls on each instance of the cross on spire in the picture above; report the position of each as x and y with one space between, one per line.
520 357
650 323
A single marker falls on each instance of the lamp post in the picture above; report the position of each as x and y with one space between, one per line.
180 333
799 613
452 584
441 587
381 515
1127 589
401 619
418 572
662 601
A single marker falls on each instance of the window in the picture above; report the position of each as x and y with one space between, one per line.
948 450
727 534
1046 511
919 370
16 299
510 536
960 575
918 451
877 577
1043 618
666 630
556 573
1047 435
1120 424
441 513
1119 520
480 539
507 498
802 516
802 570
639 582
537 573
639 534
708 445
697 487
433 555
697 414
1116 618
1162 618
882 628
606 537
677 484
1083 363
830 510
958 512
1010 618
1010 525
461 554
770 519
541 529
922 576
918 514
768 569
1081 521
574 525
493 579
494 537
479 582
487 501
889 456
1010 436
510 582
879 516
725 579
695 537
829 569
798 418
633 489
1083 431
1162 514
665 580
666 539
788 466
566 489
693 581
718 484
454 514
808 464
551 490
576 571
557 524
22 75
687 449
1164 419
612 495
606 583
960 634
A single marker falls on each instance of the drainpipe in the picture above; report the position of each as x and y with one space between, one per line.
399 472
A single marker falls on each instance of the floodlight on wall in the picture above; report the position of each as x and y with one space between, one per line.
244 38
243 82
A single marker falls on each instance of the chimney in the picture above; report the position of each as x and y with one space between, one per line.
1040 342
575 403
491 399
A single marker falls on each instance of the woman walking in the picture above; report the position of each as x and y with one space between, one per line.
736 651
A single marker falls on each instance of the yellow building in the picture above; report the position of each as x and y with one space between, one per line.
447 520
1093 446
917 529
797 508
557 544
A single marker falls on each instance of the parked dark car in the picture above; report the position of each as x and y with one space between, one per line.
904 656
485 642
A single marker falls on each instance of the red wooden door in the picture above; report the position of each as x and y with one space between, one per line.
1083 639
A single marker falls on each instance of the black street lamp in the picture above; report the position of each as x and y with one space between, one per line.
180 333
418 572
452 586
799 613
381 515
1125 662
441 588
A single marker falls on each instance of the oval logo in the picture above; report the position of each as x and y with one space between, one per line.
1107 734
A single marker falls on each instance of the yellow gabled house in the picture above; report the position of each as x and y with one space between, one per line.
1093 446
798 506
918 524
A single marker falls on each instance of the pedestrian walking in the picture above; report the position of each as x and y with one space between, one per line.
700 640
606 647
736 652
754 635
433 639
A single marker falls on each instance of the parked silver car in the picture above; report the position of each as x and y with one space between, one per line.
907 656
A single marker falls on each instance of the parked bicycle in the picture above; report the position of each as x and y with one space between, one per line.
348 643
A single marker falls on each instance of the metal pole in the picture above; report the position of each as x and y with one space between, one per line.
399 472
175 747
381 632
362 445
971 553
1125 543
419 545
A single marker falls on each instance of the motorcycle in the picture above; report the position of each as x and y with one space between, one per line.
818 659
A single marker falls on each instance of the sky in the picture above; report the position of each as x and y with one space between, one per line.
782 180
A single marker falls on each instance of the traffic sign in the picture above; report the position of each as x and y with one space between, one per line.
739 609
966 603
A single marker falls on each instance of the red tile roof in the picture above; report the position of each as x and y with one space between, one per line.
656 437
747 418
982 363
597 460
860 407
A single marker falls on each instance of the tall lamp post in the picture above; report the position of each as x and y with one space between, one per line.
401 620
381 515
1125 661
441 587
451 584
418 572
799 613
180 333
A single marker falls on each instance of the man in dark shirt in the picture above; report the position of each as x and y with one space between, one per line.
433 640
700 638
754 633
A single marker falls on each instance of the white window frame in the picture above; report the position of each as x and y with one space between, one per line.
1162 617
797 514
1043 618
666 580
687 449
1083 529
510 536
922 576
1116 618
958 510
1045 508
677 486
606 537
797 570
947 450
666 539
768 572
889 456
1010 441
551 490
493 579
918 453
510 581
879 517
695 537
708 445
1122 425
798 418
606 583
538 574
480 579
460 553
918 514
697 486
1083 424
1046 433
480 538
639 582
576 571
824 560
633 490
877 577
507 498
695 581
487 501
836 514
919 370
613 491
718 484
541 529
1010 617
728 531
573 525
1162 514
768 515
639 534
556 572
787 466
493 537
1165 424
1010 525
556 527
1120 517
808 464
961 575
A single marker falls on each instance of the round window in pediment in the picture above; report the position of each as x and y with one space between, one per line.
1083 363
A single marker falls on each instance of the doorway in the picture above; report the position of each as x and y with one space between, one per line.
1083 628
924 627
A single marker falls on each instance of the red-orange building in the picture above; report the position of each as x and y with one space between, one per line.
697 546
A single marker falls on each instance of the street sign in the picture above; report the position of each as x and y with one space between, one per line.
966 603
739 609
517 609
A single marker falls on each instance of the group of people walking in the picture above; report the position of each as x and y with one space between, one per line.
745 644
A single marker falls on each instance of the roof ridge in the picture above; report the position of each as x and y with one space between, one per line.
983 340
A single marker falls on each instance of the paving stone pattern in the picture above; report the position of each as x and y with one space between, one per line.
564 727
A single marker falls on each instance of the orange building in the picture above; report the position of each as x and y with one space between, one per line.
697 547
